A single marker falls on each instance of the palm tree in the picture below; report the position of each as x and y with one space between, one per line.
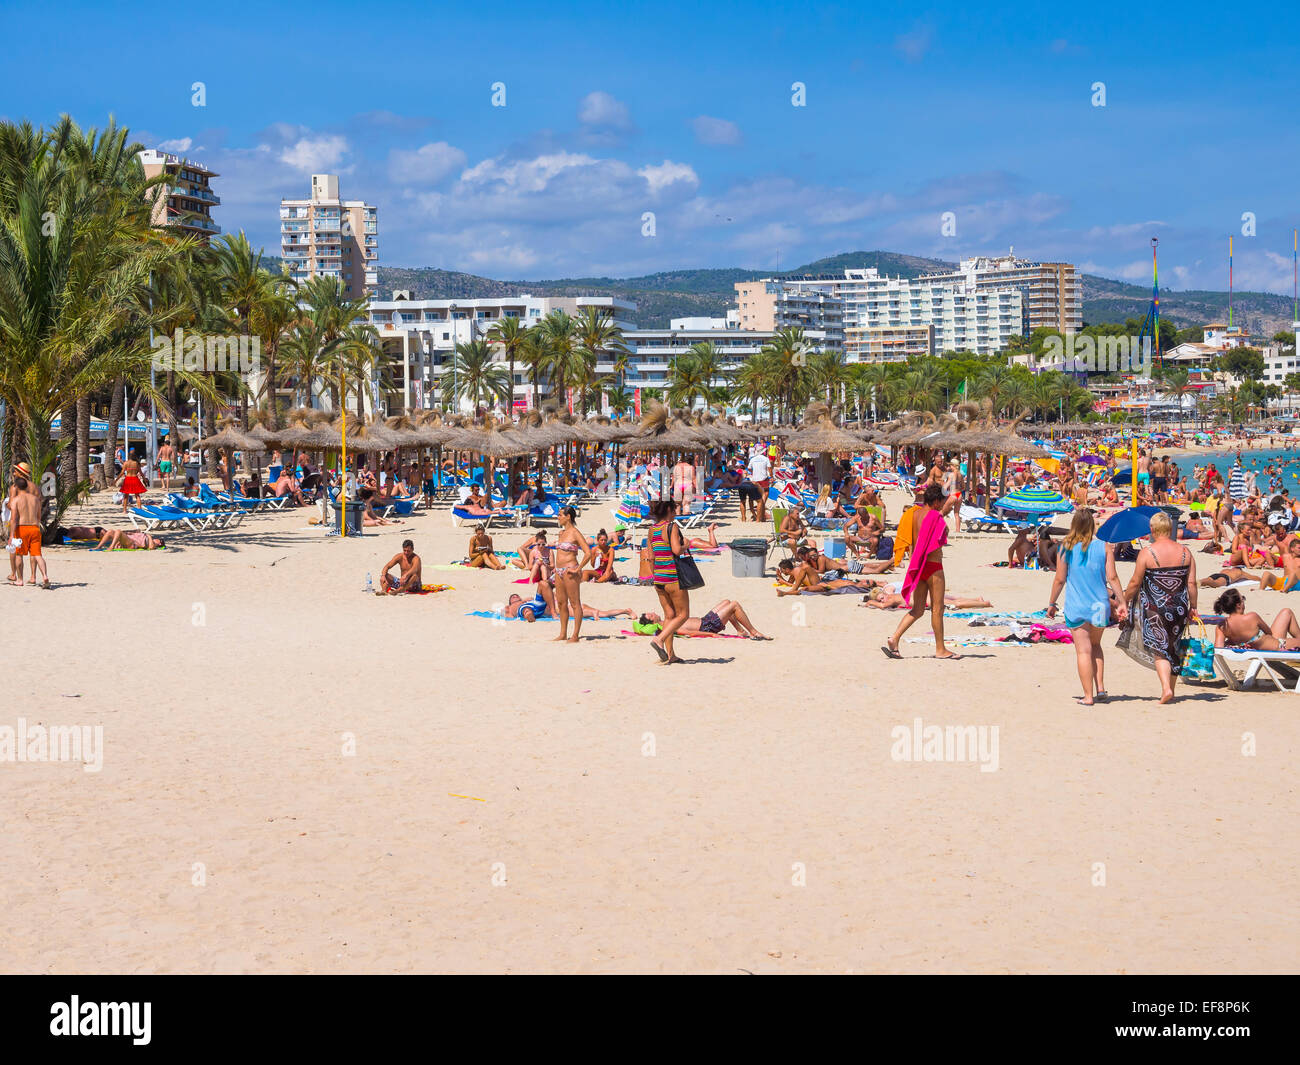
535 354
510 335
826 373
479 377
76 254
271 319
991 383
876 378
1178 384
568 364
620 399
790 349
596 334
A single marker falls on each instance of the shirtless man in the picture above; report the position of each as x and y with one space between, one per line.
166 459
408 580
25 531
1159 481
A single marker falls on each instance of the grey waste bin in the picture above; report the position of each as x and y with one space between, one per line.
748 557
192 470
355 510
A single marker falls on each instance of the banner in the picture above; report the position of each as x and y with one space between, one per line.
637 401
569 398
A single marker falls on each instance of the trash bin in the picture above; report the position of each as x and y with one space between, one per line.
833 548
1175 516
355 509
192 470
748 557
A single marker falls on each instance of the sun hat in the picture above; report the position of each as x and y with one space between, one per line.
23 468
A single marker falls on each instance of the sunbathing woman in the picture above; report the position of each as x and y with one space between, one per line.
1240 629
542 606
481 555
727 612
368 515
803 578
523 556
1290 559
701 543
1230 575
128 540
889 597
603 552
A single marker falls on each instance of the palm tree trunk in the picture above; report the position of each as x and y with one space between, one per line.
110 435
83 439
209 428
68 456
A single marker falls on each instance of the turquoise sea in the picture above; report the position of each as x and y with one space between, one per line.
1255 461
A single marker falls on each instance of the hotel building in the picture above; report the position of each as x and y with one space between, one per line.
185 199
769 304
1051 293
326 236
419 337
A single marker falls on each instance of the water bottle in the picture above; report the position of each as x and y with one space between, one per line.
369 588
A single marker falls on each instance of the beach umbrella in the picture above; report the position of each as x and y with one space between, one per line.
1092 460
1031 500
1132 523
1237 482
823 437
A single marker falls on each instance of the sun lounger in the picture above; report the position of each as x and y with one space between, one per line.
976 520
1277 666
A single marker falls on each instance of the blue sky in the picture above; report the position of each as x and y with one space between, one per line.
685 110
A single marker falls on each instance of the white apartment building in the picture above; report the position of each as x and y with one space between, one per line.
655 350
326 236
1052 295
894 318
771 304
419 337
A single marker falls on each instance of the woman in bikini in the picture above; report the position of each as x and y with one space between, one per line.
132 488
925 578
481 555
603 552
1240 629
572 553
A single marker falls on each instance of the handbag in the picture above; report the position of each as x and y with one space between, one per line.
1198 655
688 573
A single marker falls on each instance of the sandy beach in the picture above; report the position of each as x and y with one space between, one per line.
523 806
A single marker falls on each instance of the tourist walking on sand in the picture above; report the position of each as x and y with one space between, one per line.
925 574
664 541
1160 597
129 484
572 554
1085 568
760 475
25 531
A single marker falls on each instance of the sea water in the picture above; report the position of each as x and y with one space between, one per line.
1252 462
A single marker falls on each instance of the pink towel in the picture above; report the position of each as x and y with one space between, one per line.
933 535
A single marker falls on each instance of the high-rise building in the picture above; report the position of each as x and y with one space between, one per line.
185 199
1052 295
326 236
770 304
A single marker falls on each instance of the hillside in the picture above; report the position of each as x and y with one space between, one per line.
685 293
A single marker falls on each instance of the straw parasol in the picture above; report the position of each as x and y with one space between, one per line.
229 439
660 431
820 434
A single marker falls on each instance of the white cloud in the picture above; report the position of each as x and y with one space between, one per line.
715 131
526 175
312 155
427 164
601 110
667 173
913 44
182 144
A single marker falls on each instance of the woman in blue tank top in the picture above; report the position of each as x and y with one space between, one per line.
1085 568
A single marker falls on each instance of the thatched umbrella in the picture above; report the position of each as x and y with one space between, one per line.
229 439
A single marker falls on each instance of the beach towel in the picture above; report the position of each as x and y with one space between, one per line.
906 533
932 535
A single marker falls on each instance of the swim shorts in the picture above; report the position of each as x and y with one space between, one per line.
711 623
165 465
29 537
747 491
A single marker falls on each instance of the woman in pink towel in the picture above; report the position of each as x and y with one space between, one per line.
925 575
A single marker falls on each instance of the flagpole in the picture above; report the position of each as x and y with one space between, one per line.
343 480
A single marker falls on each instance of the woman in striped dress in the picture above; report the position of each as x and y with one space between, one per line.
665 542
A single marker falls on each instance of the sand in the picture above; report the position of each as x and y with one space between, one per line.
516 805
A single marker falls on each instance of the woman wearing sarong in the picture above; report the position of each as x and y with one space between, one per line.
1161 597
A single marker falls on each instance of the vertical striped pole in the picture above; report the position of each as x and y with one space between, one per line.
1229 282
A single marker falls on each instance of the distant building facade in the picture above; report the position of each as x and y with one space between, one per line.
325 236
185 198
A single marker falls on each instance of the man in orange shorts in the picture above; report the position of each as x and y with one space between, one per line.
25 532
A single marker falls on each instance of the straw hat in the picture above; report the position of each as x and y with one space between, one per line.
23 468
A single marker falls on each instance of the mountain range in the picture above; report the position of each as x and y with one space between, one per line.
685 293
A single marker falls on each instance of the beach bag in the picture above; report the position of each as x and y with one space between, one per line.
1198 655
885 549
688 573
118 497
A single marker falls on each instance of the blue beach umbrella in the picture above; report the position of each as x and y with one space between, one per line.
1130 524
